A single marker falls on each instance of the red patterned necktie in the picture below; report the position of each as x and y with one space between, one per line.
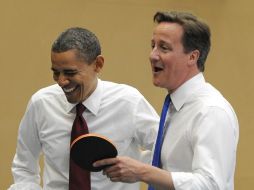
79 179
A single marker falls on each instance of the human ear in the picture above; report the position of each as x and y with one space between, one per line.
193 57
99 62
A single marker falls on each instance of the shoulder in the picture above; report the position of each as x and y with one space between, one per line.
49 93
211 97
209 100
127 97
211 109
113 89
123 95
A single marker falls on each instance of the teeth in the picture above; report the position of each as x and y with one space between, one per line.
69 89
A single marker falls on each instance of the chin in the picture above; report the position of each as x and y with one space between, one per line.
72 101
156 83
74 97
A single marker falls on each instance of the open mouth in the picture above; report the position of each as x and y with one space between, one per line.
157 69
69 90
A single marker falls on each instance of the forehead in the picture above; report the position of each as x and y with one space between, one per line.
168 32
67 59
69 55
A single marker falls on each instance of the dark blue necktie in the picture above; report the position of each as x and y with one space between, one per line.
157 151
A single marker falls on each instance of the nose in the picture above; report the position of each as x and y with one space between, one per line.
62 80
154 55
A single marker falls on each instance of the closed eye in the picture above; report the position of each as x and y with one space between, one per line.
70 73
67 73
164 47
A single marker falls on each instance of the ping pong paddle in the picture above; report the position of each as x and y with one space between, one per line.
88 148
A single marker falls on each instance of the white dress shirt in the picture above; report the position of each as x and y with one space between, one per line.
200 143
116 111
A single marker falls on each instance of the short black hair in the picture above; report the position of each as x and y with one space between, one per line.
80 39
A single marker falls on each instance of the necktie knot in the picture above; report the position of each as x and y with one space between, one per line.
80 108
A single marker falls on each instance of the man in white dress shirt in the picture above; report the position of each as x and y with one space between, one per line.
116 111
201 132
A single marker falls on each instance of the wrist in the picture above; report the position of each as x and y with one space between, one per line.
156 176
145 172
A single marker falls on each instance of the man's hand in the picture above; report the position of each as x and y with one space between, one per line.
122 169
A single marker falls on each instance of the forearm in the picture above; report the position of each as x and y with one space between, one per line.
128 170
156 177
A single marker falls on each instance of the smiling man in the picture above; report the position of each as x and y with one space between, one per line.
77 77
201 131
116 111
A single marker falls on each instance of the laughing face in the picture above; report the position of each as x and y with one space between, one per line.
77 78
171 66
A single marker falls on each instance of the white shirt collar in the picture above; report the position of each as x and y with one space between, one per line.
182 94
92 103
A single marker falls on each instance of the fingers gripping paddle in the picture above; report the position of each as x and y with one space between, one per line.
88 148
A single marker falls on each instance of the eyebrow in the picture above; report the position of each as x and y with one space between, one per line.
65 70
